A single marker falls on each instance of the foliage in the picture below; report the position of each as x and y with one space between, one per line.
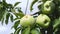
8 10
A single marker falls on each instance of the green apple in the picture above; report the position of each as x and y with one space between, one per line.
43 20
48 7
27 20
35 31
26 30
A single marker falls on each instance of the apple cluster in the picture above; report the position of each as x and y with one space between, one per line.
42 20
28 20
49 12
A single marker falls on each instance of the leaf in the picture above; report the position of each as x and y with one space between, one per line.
7 18
13 10
4 3
2 20
17 31
11 33
16 19
11 17
0 2
16 3
19 14
19 9
16 24
2 14
56 23
9 6
3 0
40 6
35 13
57 31
34 1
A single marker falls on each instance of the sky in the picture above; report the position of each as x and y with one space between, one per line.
6 29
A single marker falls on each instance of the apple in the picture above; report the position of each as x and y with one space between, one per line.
43 20
27 20
35 31
26 30
48 7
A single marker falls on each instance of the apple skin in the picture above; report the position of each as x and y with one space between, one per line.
43 20
26 30
27 21
35 31
48 7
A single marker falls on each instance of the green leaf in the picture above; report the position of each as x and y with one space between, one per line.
11 17
7 18
2 14
19 9
16 24
11 33
16 3
4 3
17 31
13 10
19 14
9 6
57 31
40 6
2 20
34 1
16 19
56 23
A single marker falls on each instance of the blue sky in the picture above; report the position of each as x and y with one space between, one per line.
6 29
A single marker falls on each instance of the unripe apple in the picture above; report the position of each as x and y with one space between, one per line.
43 20
48 7
35 31
27 20
26 30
